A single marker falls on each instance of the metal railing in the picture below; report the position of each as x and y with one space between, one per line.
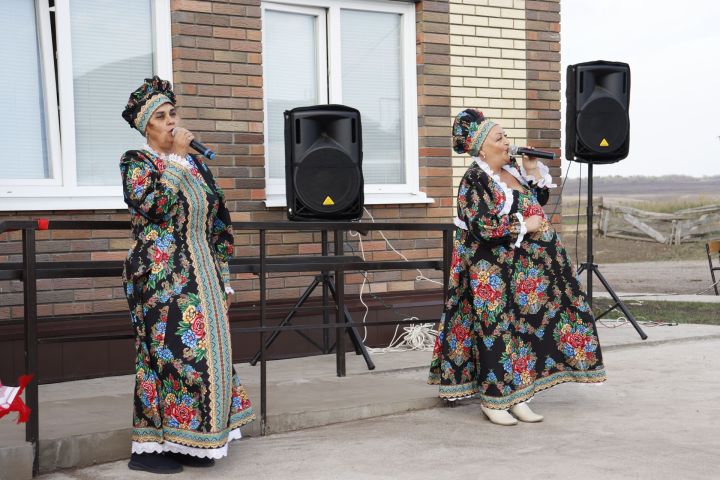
29 271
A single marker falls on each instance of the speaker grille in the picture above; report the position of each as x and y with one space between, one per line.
602 125
327 173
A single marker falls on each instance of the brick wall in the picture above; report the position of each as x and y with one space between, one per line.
217 61
543 83
434 163
505 61
498 55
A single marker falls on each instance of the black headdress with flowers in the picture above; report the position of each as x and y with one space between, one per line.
145 100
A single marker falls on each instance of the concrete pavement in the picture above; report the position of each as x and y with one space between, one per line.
656 418
87 422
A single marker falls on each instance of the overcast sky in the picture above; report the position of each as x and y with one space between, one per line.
673 49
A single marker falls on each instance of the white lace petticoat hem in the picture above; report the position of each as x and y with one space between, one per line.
215 453
461 398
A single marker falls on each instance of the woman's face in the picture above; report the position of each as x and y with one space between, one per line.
160 126
495 150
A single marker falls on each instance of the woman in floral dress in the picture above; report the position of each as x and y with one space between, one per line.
516 320
189 402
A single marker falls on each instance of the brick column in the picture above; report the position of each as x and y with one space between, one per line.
488 65
434 113
543 83
218 78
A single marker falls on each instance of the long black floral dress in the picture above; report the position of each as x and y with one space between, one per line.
188 398
516 320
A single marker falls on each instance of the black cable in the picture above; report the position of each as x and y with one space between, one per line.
559 195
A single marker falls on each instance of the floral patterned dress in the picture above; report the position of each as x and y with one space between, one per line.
516 320
188 398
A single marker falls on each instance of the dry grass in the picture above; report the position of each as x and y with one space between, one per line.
664 312
657 205
672 205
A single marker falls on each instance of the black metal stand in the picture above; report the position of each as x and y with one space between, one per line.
591 267
327 284
32 428
326 280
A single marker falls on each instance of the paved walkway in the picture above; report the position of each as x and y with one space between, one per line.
683 277
660 297
657 417
87 422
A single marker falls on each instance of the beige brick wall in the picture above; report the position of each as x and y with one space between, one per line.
488 66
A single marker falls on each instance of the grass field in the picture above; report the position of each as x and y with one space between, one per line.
647 203
672 205
663 312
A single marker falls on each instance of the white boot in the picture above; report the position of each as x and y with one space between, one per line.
524 414
498 417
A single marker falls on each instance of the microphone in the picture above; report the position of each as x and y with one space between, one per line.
530 152
200 148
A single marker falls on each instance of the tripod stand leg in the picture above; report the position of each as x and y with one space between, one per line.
286 320
352 331
591 267
326 314
619 303
357 343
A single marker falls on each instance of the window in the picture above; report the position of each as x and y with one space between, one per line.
74 64
352 52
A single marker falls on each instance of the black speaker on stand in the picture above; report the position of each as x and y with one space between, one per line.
323 163
324 182
597 130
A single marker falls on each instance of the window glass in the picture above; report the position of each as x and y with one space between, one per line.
112 54
23 113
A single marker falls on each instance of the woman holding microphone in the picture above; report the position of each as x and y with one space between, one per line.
516 321
189 402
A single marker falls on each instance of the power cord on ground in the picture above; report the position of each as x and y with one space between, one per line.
415 336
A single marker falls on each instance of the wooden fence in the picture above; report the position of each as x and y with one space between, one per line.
689 225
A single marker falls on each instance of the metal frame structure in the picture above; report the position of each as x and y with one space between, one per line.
29 271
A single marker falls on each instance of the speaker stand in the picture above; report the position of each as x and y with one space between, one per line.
357 342
591 267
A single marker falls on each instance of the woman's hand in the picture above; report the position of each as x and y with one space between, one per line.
529 164
181 141
533 223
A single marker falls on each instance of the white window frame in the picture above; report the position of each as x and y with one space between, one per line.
375 194
275 187
61 191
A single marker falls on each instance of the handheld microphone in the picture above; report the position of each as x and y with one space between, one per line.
530 152
200 148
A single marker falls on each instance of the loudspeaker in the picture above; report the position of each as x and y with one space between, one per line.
323 163
597 127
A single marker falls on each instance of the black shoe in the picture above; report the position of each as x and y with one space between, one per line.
158 463
191 461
